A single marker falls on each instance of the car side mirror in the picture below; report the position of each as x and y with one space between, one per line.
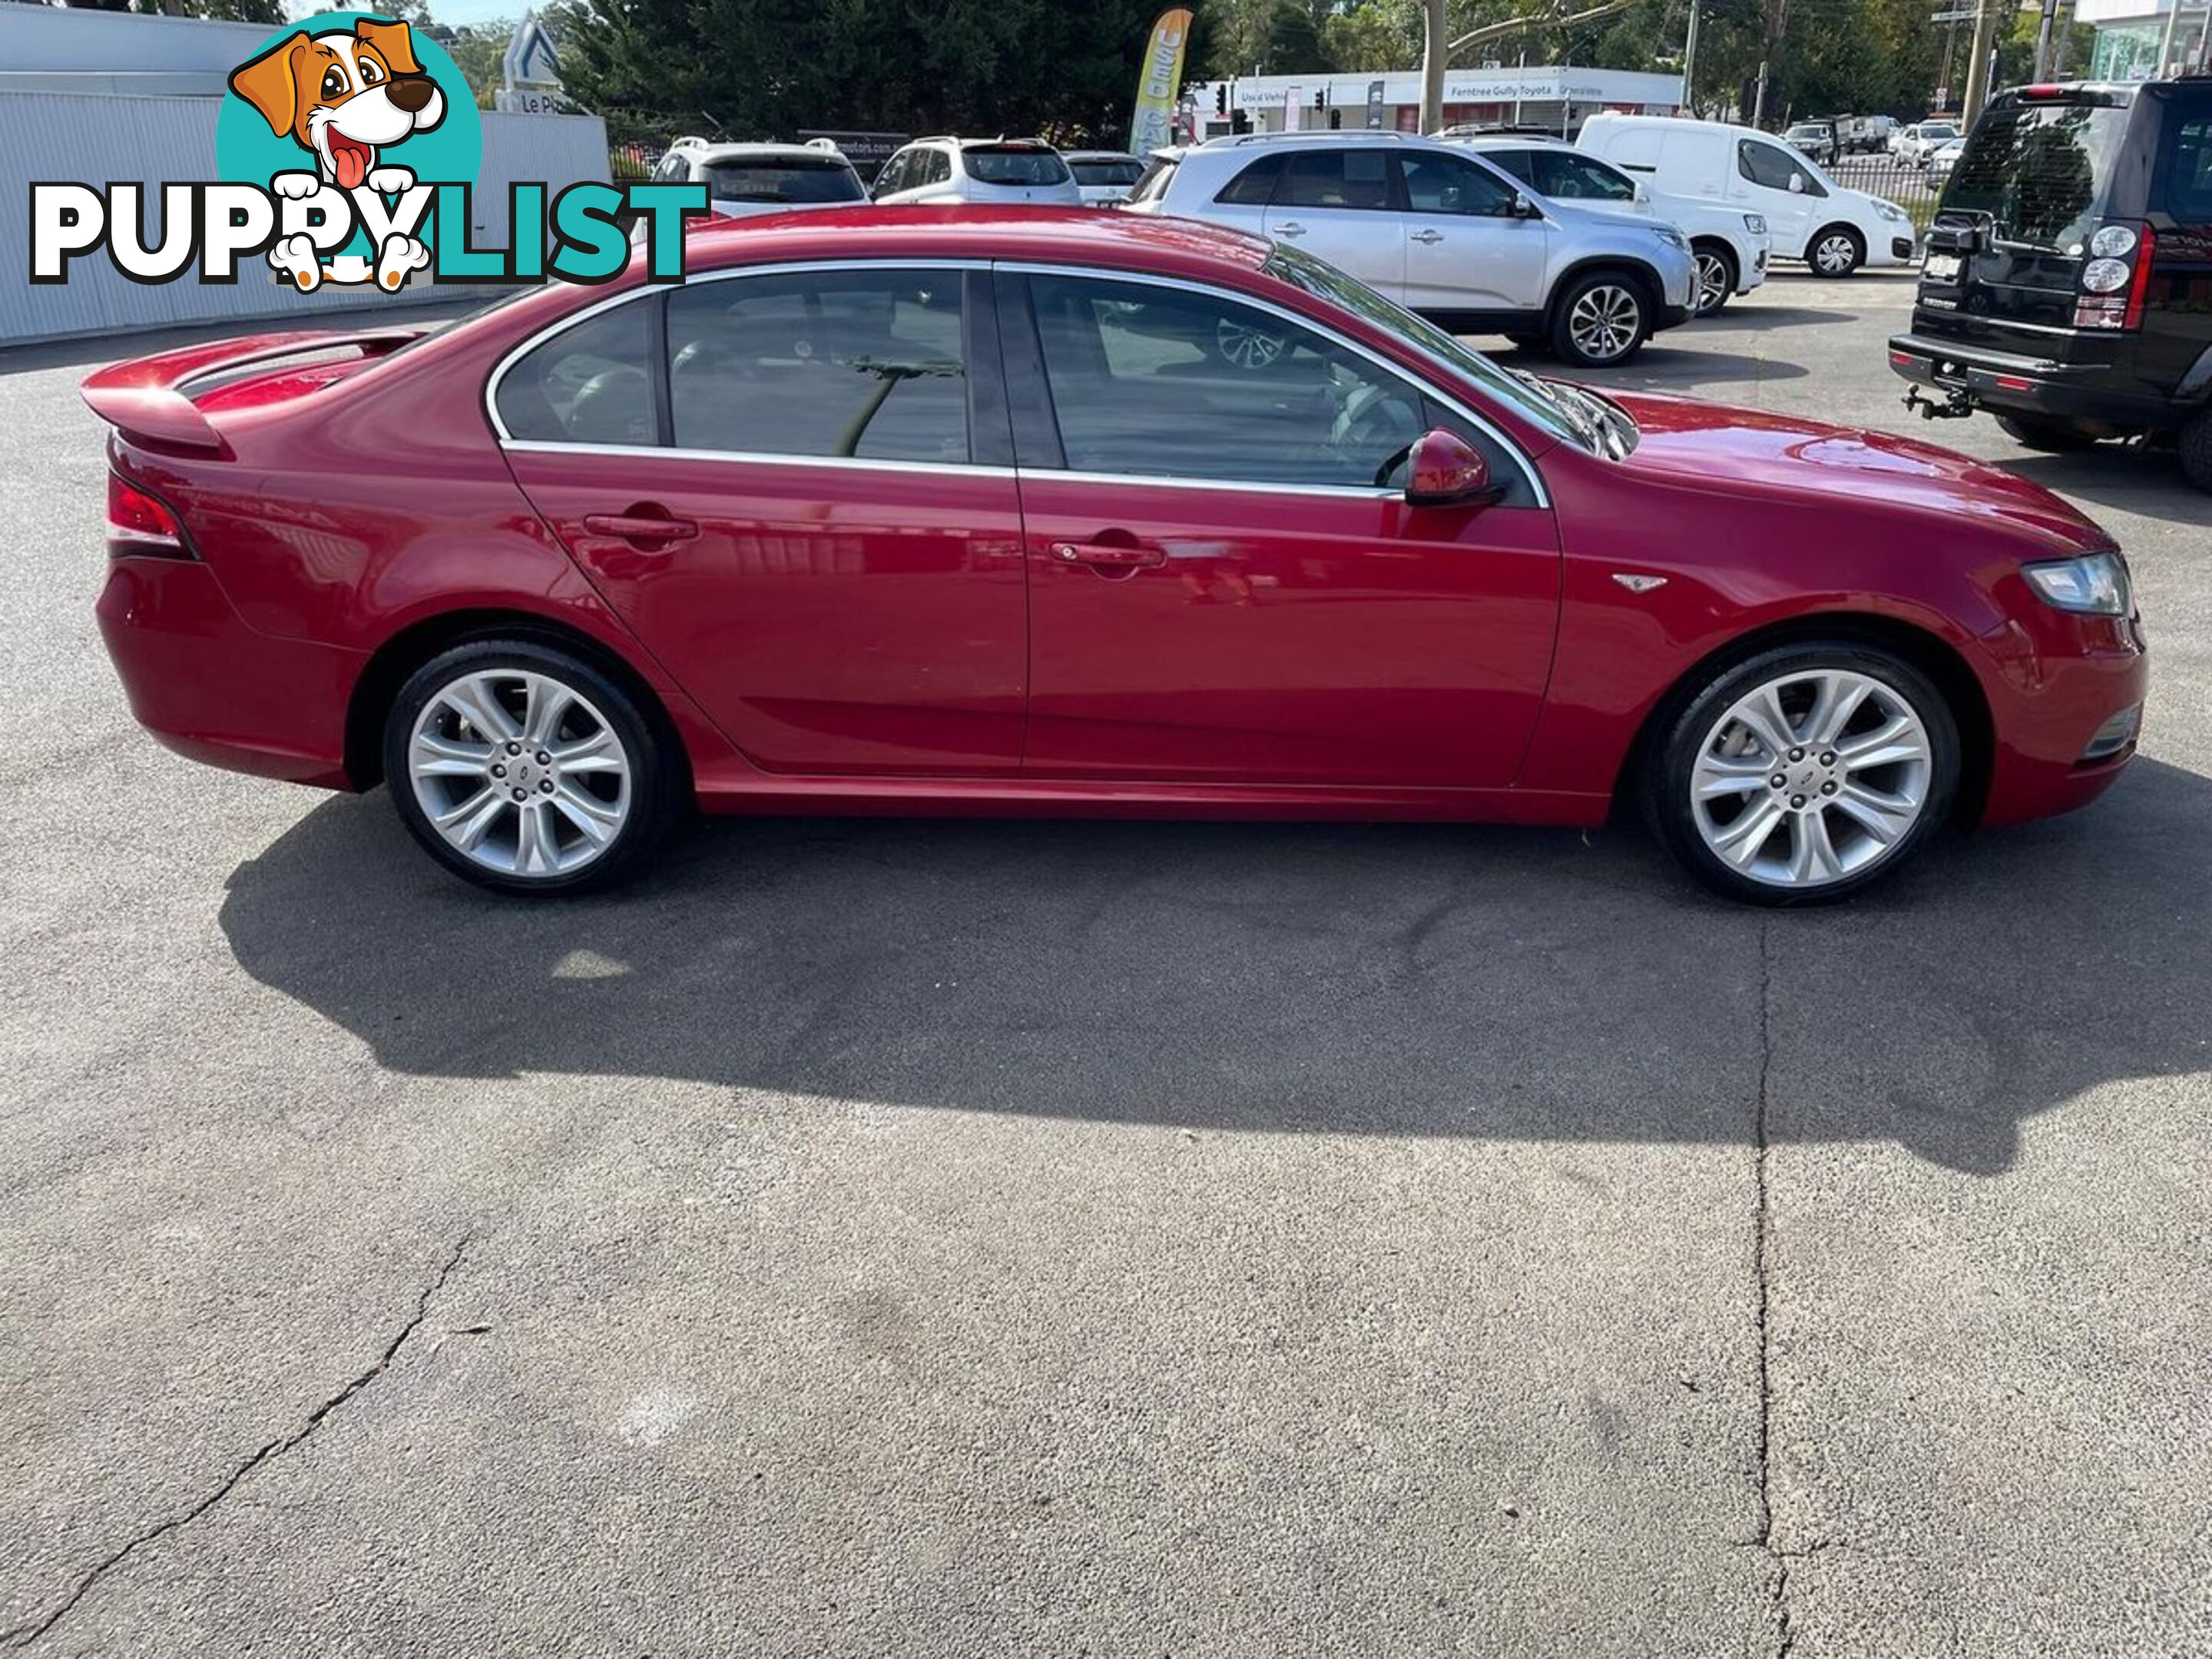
1640 193
1444 469
1523 208
1796 184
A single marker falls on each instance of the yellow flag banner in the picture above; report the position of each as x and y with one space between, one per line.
1159 83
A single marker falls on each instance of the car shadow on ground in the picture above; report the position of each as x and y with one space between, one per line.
1748 314
2126 476
1393 980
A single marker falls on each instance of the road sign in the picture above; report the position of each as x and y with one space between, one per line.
1956 14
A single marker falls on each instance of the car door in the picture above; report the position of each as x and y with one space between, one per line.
1775 181
1339 205
1226 585
790 490
1465 250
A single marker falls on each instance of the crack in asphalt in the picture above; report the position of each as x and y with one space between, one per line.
22 1634
1777 1560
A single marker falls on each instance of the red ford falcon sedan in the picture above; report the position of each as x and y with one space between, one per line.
972 511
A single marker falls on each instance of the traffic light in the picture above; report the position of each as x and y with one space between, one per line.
1221 98
1335 120
1240 122
1321 97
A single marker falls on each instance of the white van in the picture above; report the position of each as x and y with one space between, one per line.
1810 216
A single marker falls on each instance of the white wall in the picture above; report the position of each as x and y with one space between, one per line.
98 140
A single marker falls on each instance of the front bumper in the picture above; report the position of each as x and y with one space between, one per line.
2031 386
212 688
2059 683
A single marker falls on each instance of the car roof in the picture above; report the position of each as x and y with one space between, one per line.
1078 235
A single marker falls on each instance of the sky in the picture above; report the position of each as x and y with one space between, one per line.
455 12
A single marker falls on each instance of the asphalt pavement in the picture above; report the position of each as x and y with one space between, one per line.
976 1238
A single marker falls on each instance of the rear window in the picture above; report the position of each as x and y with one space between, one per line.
2039 170
1106 172
1158 173
804 182
1011 166
2183 185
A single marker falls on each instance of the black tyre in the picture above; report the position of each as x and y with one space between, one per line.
2053 437
521 767
2197 449
1835 251
1601 319
1716 277
1803 775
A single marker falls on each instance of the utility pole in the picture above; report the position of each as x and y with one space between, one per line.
1435 48
1977 62
2172 28
2042 40
1690 62
1758 103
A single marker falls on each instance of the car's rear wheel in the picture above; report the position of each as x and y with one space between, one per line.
2054 437
2197 449
1835 252
524 768
1805 774
1716 277
1601 320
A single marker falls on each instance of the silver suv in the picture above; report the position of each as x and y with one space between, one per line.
1444 233
1025 172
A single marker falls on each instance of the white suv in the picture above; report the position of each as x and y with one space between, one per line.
1446 232
1730 246
743 181
1023 170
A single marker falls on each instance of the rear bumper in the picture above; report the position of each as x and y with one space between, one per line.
2029 385
211 689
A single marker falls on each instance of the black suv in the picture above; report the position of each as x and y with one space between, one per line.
2066 286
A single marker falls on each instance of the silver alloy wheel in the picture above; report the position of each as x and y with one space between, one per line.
519 773
1714 281
1835 253
1605 322
1812 777
1246 347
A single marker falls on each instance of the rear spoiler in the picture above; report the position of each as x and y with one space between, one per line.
143 398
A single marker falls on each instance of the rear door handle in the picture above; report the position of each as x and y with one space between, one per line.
1114 555
644 523
1288 230
1429 236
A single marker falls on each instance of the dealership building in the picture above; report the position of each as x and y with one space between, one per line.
2132 34
1551 96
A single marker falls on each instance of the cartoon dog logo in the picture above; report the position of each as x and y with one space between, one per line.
344 96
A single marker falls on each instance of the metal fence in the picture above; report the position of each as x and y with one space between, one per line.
1909 184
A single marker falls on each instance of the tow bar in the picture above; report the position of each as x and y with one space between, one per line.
1956 406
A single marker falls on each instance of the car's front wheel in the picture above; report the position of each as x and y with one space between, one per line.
1804 774
525 769
1835 252
1601 320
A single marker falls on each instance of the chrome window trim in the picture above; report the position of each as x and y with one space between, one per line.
533 446
1298 320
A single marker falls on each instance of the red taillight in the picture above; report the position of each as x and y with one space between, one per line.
2139 289
141 525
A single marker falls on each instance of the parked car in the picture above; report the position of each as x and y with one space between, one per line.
1816 139
1868 134
743 181
1006 171
1941 161
960 512
1730 247
1921 141
1812 217
2067 287
1105 176
1443 231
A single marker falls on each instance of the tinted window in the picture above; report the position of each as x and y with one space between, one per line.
1773 167
2039 170
893 178
1253 187
1163 382
674 168
2185 165
1578 178
862 363
1106 173
1012 166
1335 178
1160 173
789 180
591 384
1445 184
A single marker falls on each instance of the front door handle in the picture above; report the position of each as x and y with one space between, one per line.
1428 236
646 523
1118 555
1288 230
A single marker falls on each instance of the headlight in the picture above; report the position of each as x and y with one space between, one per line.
1755 223
2112 241
2096 584
2104 276
1888 210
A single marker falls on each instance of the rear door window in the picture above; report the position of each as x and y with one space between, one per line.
860 364
2039 170
1349 179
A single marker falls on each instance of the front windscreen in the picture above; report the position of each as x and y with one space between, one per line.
2039 171
803 183
1012 167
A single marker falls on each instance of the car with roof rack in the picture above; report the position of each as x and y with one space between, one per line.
1445 232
